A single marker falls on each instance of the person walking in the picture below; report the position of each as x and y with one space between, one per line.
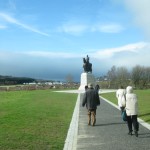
91 100
132 110
97 88
120 94
86 87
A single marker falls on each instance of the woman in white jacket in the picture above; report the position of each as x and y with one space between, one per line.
132 110
120 94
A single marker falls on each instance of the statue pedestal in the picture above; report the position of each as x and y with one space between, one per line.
86 78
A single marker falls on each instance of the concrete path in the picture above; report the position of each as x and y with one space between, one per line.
109 133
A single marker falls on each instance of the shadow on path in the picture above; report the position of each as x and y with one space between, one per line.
109 124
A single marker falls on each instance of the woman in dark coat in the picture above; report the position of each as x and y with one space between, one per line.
91 100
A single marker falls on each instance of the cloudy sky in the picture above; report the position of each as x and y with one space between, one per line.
47 39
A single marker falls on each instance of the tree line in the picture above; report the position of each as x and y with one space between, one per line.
9 80
138 77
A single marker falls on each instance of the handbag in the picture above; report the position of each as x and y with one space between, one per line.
124 115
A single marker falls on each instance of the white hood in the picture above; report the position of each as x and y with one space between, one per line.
129 90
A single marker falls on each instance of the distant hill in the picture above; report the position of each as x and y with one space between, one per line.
10 80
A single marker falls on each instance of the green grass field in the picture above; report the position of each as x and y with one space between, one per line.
39 120
143 102
35 120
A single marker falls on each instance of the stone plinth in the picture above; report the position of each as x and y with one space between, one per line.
86 78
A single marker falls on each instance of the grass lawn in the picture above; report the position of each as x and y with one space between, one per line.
143 101
35 120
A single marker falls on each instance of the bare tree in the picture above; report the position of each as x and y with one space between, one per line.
145 77
122 76
112 77
136 74
139 77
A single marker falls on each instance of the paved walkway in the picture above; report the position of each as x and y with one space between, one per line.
110 132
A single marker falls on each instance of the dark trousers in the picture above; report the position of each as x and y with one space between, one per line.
132 120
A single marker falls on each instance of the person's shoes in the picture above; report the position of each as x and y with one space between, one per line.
136 133
130 133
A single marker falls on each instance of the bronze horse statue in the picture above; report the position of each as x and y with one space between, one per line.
87 65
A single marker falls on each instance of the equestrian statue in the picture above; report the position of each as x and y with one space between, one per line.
87 65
